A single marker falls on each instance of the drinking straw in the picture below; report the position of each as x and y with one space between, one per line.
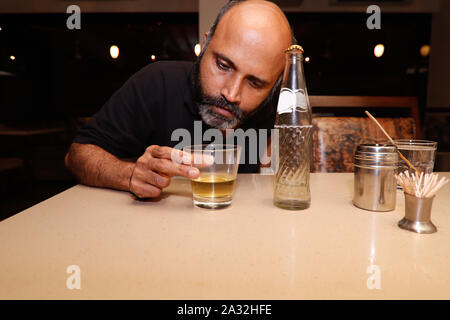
392 141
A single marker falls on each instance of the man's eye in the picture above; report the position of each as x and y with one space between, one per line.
255 84
222 66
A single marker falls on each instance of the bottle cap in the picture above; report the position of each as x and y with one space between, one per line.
295 47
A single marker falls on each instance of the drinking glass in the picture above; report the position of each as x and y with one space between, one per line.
421 154
218 165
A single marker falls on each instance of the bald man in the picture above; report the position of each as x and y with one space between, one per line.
234 84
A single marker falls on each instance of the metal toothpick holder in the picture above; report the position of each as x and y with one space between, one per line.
417 215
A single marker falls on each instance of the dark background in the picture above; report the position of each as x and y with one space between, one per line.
61 76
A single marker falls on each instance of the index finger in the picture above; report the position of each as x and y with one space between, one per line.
164 152
176 155
195 159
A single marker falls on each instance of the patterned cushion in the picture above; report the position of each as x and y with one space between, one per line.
335 139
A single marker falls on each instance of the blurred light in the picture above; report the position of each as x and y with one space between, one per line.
153 57
114 51
378 50
12 57
423 70
411 70
307 59
425 50
0 28
197 49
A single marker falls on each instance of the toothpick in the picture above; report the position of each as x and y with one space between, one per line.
441 183
424 185
427 184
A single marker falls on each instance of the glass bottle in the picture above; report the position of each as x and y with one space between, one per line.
294 125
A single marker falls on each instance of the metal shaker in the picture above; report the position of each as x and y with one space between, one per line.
375 187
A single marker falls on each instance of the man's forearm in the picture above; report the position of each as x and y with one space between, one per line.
94 166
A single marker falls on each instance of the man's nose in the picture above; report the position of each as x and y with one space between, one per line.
232 90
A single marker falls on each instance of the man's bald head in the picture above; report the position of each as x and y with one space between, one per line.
239 70
253 10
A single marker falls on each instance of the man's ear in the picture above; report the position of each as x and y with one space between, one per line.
205 36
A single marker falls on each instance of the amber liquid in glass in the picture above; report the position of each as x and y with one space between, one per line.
213 186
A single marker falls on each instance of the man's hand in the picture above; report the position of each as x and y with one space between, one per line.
156 166
94 166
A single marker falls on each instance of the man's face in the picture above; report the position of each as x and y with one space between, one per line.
237 72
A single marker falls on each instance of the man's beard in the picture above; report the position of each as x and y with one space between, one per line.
205 105
206 102
216 120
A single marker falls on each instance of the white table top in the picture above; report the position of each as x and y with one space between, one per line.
167 249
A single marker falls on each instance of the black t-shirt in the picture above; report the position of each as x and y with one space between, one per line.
147 109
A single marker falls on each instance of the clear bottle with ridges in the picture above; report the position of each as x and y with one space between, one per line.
294 125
